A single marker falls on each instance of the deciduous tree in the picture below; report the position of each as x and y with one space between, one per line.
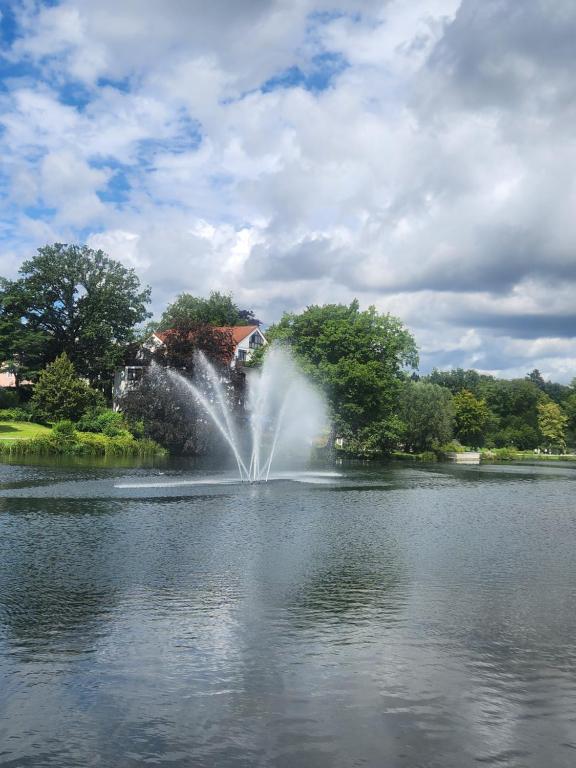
472 418
359 359
72 299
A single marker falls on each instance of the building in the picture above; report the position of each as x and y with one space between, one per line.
246 338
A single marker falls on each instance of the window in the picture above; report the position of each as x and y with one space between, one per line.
255 341
134 374
242 355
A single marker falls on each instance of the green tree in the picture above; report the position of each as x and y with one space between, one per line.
218 309
60 394
552 422
569 406
458 379
359 360
72 299
427 412
472 418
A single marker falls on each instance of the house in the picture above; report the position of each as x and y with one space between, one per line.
246 339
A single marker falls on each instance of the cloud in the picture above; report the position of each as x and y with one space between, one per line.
418 155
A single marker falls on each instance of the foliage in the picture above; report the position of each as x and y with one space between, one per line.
499 454
70 299
552 423
569 407
428 416
556 392
454 446
80 444
359 359
103 420
516 433
184 341
375 439
15 414
61 394
472 418
458 379
9 397
218 309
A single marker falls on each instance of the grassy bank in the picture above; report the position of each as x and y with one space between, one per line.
495 455
22 430
47 443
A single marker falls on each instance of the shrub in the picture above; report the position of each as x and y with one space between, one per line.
61 394
64 431
9 398
103 420
15 414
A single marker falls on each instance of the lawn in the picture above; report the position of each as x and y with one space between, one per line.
21 430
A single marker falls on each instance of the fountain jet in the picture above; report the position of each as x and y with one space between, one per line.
285 413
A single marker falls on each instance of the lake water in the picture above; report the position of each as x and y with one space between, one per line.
391 616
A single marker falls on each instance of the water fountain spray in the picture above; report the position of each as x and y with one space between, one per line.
285 413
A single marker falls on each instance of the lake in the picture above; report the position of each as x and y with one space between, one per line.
418 616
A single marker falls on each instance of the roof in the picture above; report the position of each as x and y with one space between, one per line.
239 332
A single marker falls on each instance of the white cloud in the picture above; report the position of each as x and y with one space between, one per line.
432 178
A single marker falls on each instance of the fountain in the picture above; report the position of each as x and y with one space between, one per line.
285 412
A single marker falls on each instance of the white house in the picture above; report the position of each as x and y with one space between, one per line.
246 338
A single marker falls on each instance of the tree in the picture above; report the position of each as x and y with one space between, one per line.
570 411
427 412
458 379
472 417
358 358
183 342
218 309
61 394
72 299
552 422
22 349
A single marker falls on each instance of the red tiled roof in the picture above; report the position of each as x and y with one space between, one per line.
239 332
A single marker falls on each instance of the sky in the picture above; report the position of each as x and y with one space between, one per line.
417 155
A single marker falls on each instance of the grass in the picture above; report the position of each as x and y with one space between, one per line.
21 430
22 438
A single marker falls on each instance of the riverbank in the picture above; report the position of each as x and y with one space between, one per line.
51 443
487 456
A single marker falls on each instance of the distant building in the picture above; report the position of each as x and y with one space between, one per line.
246 338
7 379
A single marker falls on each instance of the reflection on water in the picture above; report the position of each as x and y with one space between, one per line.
372 616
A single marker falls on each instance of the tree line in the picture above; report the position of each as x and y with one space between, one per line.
73 315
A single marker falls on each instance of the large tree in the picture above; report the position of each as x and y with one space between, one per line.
218 309
359 359
552 423
472 418
72 299
427 412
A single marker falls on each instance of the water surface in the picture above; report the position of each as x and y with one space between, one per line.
393 616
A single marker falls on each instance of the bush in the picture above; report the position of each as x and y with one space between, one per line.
64 431
15 414
9 398
452 447
500 454
104 421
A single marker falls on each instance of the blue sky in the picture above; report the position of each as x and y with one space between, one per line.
416 155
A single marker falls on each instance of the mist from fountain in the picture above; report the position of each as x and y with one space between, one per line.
285 413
